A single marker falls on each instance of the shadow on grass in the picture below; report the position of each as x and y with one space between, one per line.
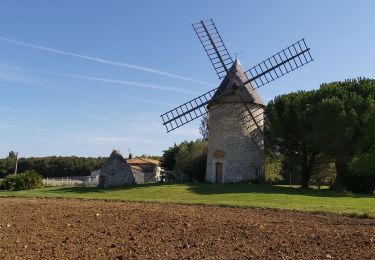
209 189
205 188
90 189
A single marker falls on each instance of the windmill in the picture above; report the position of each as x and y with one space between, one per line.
236 111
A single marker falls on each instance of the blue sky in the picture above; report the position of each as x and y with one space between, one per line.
85 77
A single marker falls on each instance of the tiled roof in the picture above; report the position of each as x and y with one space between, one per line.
143 161
135 167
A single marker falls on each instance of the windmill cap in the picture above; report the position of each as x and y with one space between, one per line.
237 62
250 94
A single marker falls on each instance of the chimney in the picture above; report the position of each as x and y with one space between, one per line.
130 156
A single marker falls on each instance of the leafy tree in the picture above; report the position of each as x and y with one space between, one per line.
362 175
168 160
7 166
154 157
335 121
12 154
364 162
324 172
273 167
344 122
191 159
292 130
203 128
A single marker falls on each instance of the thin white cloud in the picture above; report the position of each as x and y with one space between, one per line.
24 75
15 74
105 61
123 82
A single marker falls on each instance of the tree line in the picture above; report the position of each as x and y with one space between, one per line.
52 166
334 124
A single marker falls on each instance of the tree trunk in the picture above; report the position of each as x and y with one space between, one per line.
341 164
307 166
305 180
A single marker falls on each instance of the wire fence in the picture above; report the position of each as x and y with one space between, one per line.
71 181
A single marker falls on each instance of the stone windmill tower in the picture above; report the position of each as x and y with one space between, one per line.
236 111
232 155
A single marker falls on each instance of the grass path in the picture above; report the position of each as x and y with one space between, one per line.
246 195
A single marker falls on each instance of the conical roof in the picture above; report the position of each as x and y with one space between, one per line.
116 171
248 93
116 155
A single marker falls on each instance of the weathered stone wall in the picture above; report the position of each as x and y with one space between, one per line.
116 172
144 177
139 177
227 132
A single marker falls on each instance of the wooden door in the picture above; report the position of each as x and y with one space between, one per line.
219 172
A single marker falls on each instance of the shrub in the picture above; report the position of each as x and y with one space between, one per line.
360 182
273 170
362 176
24 181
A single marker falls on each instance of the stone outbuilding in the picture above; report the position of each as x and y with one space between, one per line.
115 172
232 156
145 170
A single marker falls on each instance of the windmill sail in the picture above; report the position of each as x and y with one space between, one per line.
276 66
214 46
283 62
188 111
253 118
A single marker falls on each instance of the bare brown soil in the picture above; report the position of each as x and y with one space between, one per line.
88 229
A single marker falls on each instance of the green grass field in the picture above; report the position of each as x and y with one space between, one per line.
244 195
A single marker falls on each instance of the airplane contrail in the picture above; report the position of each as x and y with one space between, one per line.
20 78
123 82
105 61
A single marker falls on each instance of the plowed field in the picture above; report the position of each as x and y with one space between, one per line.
61 229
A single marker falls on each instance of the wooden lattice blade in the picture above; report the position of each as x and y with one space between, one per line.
283 62
252 116
214 47
188 111
276 66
